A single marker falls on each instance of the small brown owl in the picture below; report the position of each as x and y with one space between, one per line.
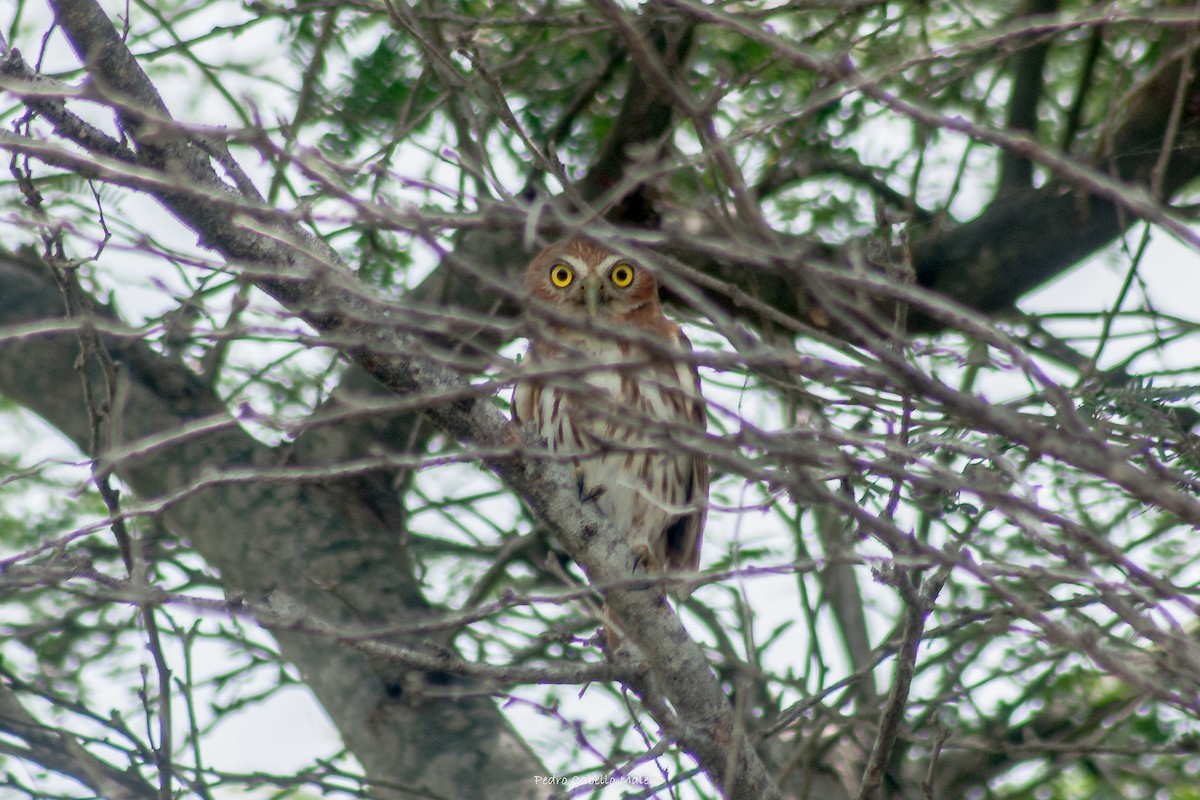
618 402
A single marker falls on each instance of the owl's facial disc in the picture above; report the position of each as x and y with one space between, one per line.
601 287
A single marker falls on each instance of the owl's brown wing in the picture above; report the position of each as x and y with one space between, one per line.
685 535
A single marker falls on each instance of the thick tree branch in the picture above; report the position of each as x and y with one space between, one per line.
1016 171
647 112
327 548
1006 252
992 261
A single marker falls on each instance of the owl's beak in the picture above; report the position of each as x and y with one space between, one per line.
591 296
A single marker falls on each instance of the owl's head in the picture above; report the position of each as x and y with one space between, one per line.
579 276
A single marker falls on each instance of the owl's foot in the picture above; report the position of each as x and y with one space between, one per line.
643 558
586 494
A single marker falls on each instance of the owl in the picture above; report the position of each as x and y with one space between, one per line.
607 384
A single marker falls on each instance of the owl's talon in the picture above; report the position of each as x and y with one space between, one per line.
593 494
641 557
586 494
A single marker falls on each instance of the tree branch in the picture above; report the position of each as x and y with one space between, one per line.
647 112
58 750
1016 171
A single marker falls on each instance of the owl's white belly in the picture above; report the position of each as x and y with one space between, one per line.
618 422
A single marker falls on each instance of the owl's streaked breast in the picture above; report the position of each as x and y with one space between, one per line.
617 417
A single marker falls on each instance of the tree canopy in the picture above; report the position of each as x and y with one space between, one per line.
261 313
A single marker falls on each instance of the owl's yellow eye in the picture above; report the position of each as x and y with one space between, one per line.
561 275
622 275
